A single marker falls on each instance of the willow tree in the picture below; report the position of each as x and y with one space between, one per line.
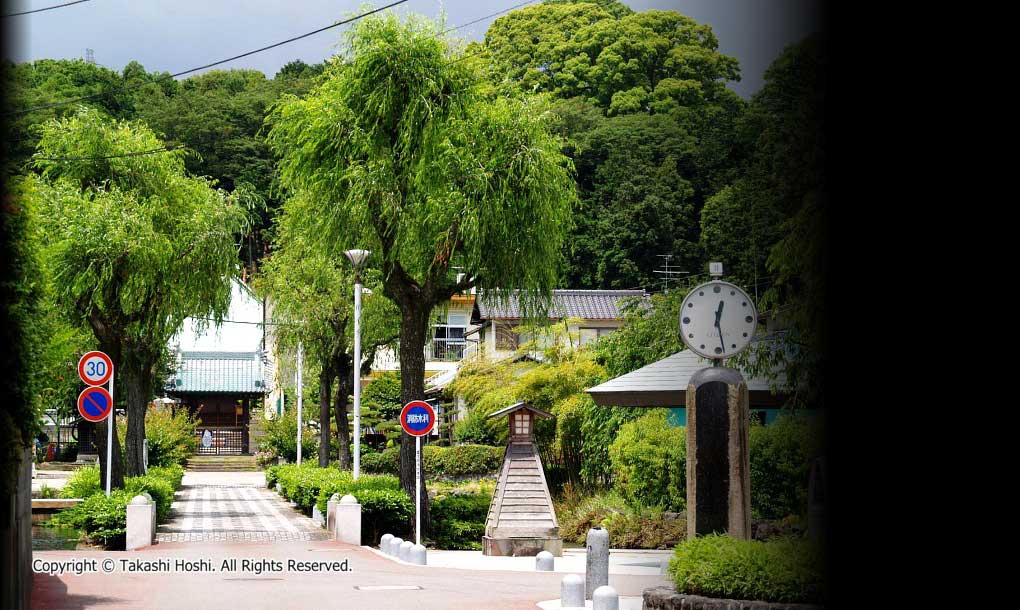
312 296
412 156
136 246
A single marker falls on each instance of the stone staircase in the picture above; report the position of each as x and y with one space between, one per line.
222 463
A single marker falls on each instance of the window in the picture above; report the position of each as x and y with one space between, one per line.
589 335
522 424
506 338
448 339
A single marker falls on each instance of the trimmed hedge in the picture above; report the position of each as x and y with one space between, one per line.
456 461
385 507
786 570
458 521
104 520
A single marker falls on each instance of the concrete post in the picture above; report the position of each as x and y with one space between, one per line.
384 543
348 520
331 512
417 555
139 523
596 560
395 546
718 454
572 591
605 598
404 552
544 562
148 496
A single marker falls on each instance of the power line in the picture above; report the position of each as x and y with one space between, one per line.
130 154
210 65
39 10
497 13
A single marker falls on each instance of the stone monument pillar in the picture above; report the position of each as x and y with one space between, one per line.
718 463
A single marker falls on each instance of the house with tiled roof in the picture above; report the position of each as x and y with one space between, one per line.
588 314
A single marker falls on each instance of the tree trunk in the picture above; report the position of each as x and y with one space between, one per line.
325 383
343 434
137 386
117 478
413 326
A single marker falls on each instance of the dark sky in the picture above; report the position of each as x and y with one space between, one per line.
174 35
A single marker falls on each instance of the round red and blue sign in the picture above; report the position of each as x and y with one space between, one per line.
417 418
95 404
95 368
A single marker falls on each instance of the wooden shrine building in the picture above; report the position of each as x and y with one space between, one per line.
521 519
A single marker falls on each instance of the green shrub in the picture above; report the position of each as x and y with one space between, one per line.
786 570
272 475
170 432
629 527
347 485
461 460
83 483
102 520
458 520
173 473
386 461
280 437
385 511
161 490
650 462
781 456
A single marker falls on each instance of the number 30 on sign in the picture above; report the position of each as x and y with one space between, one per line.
95 368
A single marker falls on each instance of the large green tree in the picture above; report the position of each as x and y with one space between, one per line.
312 296
135 244
412 156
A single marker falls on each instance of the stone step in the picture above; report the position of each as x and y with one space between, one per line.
524 508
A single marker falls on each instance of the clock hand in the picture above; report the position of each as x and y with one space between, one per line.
718 318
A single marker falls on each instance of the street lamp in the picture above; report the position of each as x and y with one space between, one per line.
358 259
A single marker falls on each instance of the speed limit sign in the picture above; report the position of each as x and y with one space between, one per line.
95 368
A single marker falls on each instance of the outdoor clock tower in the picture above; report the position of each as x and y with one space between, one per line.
717 321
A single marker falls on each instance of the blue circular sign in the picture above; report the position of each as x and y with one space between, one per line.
417 418
95 403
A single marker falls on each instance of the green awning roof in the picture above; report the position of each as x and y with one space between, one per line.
218 373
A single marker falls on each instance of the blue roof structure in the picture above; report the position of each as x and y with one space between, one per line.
218 373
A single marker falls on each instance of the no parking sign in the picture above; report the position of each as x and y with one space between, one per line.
417 419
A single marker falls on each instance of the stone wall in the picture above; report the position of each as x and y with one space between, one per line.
16 541
666 598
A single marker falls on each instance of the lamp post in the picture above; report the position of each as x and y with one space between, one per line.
358 259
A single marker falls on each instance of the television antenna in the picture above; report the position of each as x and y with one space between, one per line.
668 272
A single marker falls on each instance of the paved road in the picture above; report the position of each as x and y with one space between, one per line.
367 585
233 506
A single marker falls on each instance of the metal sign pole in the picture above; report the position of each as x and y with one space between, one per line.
417 490
298 382
109 437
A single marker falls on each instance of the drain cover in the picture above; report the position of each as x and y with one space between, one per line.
388 587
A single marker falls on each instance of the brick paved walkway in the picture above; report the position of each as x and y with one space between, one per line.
234 507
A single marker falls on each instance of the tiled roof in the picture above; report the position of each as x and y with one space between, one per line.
586 304
218 373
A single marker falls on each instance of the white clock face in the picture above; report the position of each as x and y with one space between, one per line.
717 319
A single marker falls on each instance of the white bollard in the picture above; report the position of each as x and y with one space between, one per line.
348 520
404 552
417 555
544 562
395 546
605 598
331 512
596 560
384 543
139 523
572 591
